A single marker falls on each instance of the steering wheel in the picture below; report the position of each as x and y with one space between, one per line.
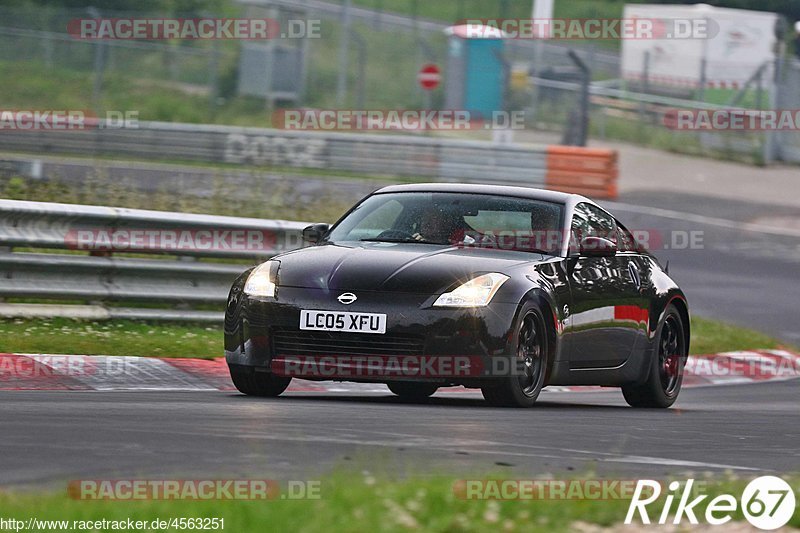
395 234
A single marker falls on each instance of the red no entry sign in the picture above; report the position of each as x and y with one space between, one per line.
429 77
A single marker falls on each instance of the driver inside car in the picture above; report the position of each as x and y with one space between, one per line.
440 226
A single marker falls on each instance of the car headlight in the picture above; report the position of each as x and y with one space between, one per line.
262 280
477 292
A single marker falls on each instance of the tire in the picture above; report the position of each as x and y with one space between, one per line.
253 383
665 374
412 391
530 340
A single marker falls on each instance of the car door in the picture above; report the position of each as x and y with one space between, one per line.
635 313
606 296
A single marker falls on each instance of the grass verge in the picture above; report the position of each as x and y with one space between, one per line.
66 336
712 336
360 502
279 199
123 337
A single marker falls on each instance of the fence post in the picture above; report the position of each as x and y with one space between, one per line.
773 140
702 94
344 51
582 119
271 45
99 65
645 89
760 88
305 45
362 68
47 43
213 82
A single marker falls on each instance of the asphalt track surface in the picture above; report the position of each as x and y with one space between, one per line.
49 438
741 273
744 271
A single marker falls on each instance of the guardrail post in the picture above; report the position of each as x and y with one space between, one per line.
5 250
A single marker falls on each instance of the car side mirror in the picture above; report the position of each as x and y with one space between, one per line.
315 232
597 247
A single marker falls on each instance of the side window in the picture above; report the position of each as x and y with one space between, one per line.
589 221
579 228
626 242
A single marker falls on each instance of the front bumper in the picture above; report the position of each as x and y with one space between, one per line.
262 334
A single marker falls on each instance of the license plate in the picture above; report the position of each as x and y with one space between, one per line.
343 321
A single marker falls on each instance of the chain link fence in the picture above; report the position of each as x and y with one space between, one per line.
362 58
383 54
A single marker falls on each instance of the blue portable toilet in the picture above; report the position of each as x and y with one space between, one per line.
475 79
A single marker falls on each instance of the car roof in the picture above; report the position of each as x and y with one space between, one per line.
500 190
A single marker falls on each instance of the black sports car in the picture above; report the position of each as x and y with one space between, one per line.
506 289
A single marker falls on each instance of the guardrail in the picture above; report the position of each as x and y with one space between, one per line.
389 154
183 276
106 253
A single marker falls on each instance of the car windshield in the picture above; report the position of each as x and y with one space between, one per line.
460 219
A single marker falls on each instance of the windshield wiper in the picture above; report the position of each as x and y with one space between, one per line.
406 240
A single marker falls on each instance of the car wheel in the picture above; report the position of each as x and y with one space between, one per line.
412 391
253 383
666 369
523 387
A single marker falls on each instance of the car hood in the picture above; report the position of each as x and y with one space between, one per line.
401 267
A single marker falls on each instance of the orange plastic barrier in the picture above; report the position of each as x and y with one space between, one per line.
588 171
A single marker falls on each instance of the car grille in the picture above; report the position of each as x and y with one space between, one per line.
300 342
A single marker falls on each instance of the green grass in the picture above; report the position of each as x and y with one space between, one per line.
123 337
712 336
654 134
36 86
361 501
266 198
287 171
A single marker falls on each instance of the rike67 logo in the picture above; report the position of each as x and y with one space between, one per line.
767 502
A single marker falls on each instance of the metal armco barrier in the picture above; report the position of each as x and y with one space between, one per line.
64 226
398 155
588 171
97 275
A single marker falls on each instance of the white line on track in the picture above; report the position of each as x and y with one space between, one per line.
702 219
477 447
637 459
491 448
